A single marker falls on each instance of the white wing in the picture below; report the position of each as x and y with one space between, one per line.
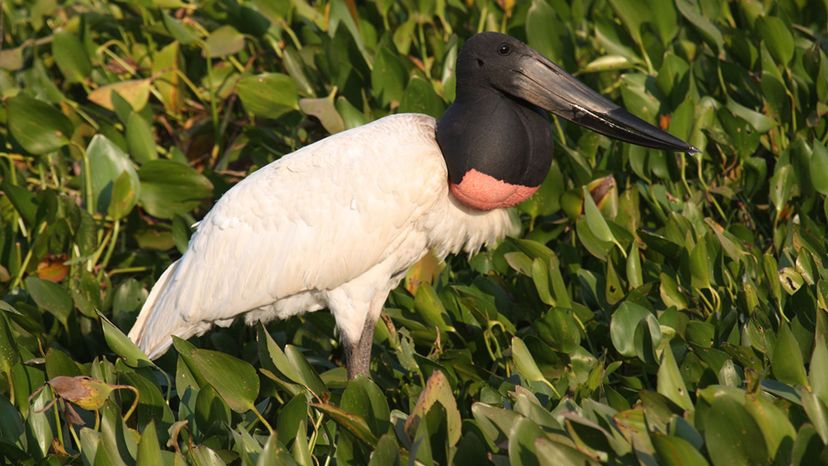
313 220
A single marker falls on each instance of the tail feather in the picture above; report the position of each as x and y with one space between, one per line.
159 320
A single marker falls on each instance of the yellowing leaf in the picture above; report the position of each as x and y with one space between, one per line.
424 271
135 92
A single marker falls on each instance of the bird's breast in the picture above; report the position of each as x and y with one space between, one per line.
497 150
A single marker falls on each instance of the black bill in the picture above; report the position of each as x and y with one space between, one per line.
543 83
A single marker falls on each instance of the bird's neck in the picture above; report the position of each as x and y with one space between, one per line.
497 149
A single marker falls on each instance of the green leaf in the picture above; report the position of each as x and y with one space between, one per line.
202 455
351 116
37 126
638 98
9 355
90 441
551 453
123 196
522 443
648 338
634 275
122 345
291 416
169 188
608 63
235 380
540 276
624 322
325 111
807 447
278 360
664 20
675 451
436 391
419 97
670 382
818 368
225 40
632 13
596 222
149 452
819 168
732 436
558 285
340 13
559 329
268 95
364 397
388 77
165 65
781 185
817 413
140 139
274 452
51 297
308 376
791 280
755 174
787 363
545 32
759 121
353 423
772 420
70 56
23 200
386 453
777 37
112 193
11 423
524 362
178 30
700 264
429 306
493 422
613 291
690 10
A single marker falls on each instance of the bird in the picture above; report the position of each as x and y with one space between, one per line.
336 224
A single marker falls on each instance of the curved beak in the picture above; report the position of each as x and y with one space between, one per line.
545 84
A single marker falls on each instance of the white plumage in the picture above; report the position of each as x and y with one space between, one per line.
336 224
333 225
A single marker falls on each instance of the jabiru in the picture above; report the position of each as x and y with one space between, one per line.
338 223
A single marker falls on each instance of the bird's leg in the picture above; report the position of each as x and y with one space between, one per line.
358 353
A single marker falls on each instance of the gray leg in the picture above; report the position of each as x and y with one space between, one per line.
358 353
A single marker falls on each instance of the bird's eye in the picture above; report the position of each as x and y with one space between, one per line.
504 49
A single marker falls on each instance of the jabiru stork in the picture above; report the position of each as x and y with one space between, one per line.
338 223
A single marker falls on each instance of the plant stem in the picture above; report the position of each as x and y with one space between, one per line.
261 418
134 402
11 387
128 270
110 248
58 424
27 259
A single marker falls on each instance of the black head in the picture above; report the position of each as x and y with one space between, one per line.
488 60
496 126
512 67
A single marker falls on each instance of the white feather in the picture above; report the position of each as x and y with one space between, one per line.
332 225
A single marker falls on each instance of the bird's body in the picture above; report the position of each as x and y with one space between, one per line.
336 224
333 225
